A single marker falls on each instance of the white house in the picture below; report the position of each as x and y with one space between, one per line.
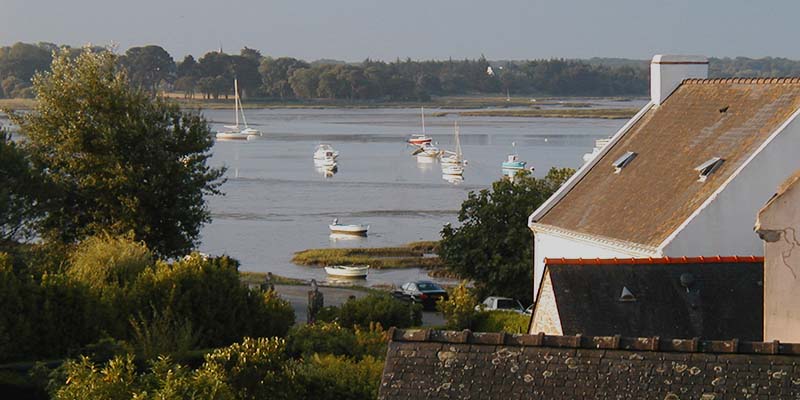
684 177
778 225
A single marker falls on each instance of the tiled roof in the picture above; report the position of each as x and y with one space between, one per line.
659 190
652 260
466 365
711 299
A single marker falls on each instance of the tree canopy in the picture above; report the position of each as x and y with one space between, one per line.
492 247
118 160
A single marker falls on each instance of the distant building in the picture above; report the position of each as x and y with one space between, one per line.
718 298
683 177
778 225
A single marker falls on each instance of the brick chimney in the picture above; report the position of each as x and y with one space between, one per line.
668 71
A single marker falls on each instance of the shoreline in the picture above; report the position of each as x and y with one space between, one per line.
489 104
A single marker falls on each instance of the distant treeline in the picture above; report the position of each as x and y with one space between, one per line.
285 78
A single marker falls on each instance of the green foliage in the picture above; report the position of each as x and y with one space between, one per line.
492 247
501 321
162 334
207 292
148 66
119 160
323 337
375 308
255 369
107 261
20 194
459 308
335 377
119 379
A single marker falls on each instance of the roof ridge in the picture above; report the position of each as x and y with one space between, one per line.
748 80
617 342
654 260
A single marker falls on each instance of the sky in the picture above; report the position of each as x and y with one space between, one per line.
353 30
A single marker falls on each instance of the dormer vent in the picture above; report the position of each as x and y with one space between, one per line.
707 168
626 295
623 161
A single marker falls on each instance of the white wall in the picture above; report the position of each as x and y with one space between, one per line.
725 226
780 222
547 245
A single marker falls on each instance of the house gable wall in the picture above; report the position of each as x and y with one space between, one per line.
724 226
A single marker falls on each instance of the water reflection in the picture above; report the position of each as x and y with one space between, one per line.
343 237
454 179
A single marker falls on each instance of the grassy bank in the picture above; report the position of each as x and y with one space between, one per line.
412 255
257 278
601 113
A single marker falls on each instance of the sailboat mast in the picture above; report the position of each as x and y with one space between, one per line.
458 141
422 111
236 101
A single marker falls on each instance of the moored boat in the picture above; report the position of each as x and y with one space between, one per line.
420 139
350 229
514 163
324 151
347 271
233 132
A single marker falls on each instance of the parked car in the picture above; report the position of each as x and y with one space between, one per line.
494 303
426 293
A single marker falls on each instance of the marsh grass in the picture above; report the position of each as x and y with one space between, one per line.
412 255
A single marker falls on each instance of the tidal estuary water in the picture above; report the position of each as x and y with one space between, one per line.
277 203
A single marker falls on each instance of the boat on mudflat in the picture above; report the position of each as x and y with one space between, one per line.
347 271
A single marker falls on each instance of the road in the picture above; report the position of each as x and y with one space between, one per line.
297 296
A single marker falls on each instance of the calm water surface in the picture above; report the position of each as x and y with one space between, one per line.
277 203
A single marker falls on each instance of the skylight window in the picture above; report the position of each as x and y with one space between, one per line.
623 161
707 168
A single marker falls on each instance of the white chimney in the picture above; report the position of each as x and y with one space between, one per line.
668 71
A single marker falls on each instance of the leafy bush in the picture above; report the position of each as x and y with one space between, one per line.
459 308
208 294
325 338
501 321
254 369
335 377
163 334
378 308
104 260
372 341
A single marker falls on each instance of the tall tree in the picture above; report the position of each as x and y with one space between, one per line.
148 66
275 74
121 161
492 247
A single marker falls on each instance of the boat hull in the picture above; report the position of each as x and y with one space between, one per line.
347 272
359 230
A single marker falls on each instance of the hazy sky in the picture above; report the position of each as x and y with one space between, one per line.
353 30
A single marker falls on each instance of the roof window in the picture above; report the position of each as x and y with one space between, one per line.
708 167
626 296
623 161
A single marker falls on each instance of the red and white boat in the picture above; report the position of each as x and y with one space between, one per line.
420 139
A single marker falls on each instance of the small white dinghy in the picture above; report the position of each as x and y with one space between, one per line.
347 271
351 229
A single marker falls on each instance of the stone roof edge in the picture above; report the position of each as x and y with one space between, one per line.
697 81
654 344
639 249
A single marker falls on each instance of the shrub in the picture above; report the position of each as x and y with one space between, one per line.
372 341
254 368
459 308
335 377
501 321
162 334
379 308
208 294
324 338
109 261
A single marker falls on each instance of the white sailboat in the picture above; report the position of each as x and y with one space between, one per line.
233 132
453 161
